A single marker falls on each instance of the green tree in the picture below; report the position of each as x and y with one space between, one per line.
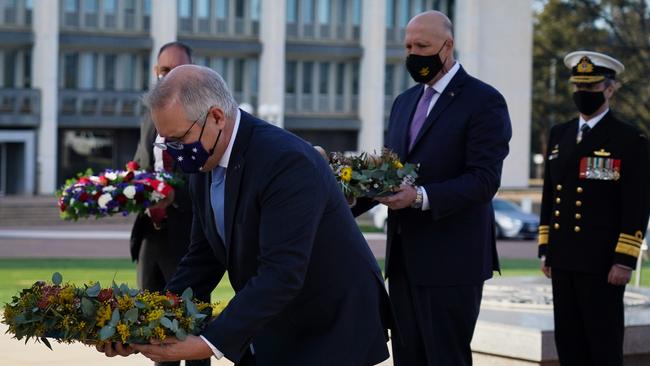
620 28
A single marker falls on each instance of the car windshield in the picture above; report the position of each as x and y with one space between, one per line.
502 205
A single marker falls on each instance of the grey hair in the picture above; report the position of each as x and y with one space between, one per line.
196 91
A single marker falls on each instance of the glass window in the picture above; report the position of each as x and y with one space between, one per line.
70 66
307 70
9 68
324 73
240 69
88 70
185 8
418 7
129 71
324 11
340 78
390 13
404 13
27 69
147 7
389 82
222 9
356 12
255 9
355 79
290 78
253 67
109 6
221 67
307 11
109 72
343 12
203 10
70 6
90 6
292 11
240 6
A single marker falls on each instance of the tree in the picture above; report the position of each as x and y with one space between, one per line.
620 28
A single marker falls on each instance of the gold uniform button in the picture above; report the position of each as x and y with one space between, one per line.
576 229
558 200
556 226
558 187
578 203
579 190
578 216
557 213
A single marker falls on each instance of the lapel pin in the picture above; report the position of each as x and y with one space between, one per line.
602 152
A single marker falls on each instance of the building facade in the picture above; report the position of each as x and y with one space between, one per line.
72 72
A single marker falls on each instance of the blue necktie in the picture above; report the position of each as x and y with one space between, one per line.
217 198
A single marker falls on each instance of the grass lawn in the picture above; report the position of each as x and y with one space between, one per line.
16 274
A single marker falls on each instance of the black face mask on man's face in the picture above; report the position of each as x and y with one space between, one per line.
588 102
424 68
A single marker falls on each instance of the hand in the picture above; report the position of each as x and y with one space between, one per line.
172 349
545 269
115 349
619 276
165 202
404 196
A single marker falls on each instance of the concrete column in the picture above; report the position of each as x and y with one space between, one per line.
272 61
44 74
501 53
164 28
371 75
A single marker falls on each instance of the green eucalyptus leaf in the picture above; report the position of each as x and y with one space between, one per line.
165 322
131 315
87 307
180 334
106 332
188 294
93 291
57 278
115 317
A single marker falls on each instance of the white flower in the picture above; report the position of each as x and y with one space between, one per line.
111 175
94 179
129 192
108 189
104 199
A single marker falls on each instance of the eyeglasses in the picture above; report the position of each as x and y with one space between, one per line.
175 144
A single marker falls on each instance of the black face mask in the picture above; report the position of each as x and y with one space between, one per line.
588 102
424 68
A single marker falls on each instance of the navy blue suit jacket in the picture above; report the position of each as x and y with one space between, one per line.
308 289
460 149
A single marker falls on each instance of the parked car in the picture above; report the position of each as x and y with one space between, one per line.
511 220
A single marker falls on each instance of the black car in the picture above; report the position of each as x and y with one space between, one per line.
513 222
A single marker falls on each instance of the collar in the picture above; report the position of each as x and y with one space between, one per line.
441 84
592 122
225 159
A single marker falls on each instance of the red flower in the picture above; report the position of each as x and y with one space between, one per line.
83 197
132 165
105 294
84 180
174 298
103 180
97 195
129 176
62 206
44 302
121 199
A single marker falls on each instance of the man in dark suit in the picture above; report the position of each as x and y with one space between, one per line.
267 209
595 205
158 245
441 241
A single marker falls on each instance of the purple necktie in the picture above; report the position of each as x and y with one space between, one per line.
420 115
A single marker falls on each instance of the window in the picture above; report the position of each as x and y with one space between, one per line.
255 9
71 6
390 13
203 10
70 66
9 69
240 69
292 11
240 6
356 13
307 11
355 79
340 78
324 73
90 6
109 72
109 6
88 69
290 78
222 9
307 69
185 8
324 10
404 13
389 82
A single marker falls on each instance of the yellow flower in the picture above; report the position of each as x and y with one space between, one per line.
159 333
125 303
123 331
397 164
346 174
103 315
155 315
67 295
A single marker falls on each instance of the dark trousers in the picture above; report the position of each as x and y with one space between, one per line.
589 320
435 324
155 268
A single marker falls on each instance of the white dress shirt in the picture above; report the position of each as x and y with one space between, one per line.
439 87
591 123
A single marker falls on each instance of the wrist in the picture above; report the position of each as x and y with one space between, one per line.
417 202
